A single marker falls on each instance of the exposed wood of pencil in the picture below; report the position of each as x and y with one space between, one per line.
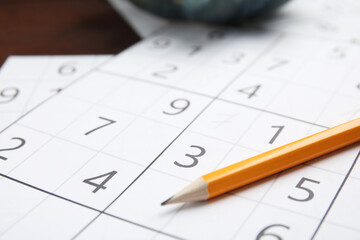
269 163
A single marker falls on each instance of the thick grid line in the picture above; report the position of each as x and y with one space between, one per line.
336 195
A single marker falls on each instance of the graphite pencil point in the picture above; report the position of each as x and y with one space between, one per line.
166 201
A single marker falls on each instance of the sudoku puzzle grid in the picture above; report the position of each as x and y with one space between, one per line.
100 156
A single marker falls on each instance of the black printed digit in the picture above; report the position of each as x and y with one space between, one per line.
67 69
194 157
278 62
179 105
8 94
265 234
280 128
310 193
168 69
161 42
234 58
250 91
21 142
108 122
338 52
195 49
101 185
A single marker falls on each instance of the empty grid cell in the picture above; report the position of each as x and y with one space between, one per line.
142 141
207 80
52 220
204 220
134 97
141 202
351 85
10 69
334 231
55 115
95 86
340 109
107 227
8 118
300 102
16 203
325 75
127 64
345 210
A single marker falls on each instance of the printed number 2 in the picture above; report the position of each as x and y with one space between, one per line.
108 176
310 193
169 68
21 143
193 157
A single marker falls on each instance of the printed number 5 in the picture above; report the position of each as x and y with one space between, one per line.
310 193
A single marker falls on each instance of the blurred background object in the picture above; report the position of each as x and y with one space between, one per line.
61 27
213 11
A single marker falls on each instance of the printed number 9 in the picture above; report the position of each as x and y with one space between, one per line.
180 104
9 94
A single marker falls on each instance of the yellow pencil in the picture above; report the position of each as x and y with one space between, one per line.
268 163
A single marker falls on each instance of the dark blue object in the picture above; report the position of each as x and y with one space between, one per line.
216 11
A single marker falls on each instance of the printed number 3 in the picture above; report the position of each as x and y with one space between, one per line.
193 157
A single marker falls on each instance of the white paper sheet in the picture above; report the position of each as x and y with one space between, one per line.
96 160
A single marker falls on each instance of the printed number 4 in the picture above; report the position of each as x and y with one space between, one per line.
101 185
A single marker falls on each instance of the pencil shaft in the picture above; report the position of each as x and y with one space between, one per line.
282 158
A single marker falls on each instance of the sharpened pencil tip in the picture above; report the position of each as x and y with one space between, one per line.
166 201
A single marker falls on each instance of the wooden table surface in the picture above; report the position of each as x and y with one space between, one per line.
45 27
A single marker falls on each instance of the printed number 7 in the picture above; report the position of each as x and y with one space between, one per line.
106 124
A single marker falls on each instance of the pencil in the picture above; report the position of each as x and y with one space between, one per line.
268 163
